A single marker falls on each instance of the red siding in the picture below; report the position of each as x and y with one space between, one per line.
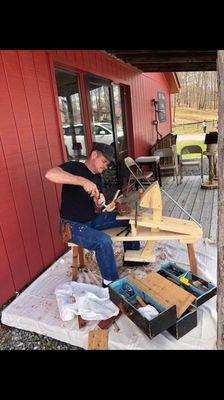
31 142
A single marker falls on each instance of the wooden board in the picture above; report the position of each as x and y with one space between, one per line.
136 255
171 225
145 234
164 291
98 340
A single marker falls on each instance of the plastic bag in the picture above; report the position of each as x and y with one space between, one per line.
90 301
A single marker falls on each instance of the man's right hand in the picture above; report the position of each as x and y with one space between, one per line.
91 188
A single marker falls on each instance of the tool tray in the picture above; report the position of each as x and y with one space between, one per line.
167 319
188 320
204 292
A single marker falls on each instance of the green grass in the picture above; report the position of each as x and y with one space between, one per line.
188 129
180 145
193 128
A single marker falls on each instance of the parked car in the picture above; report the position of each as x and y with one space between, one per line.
102 133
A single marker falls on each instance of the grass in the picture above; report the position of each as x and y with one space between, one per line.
194 117
193 128
187 115
180 145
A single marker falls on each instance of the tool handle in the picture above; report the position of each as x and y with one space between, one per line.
140 301
124 310
116 195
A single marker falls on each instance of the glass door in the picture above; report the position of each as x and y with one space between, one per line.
120 133
102 125
71 114
108 126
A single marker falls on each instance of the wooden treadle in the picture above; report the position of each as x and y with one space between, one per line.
143 255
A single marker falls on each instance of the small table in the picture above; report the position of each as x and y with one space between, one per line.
154 160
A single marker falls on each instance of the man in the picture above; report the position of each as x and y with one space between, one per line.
204 124
81 193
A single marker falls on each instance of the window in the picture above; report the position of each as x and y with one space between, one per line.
161 107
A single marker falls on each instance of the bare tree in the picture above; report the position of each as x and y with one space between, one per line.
198 89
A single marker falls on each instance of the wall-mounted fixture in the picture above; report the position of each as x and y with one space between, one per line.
156 121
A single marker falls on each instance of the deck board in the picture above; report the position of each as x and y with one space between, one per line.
200 203
206 214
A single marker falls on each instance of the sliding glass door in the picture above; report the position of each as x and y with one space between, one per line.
104 116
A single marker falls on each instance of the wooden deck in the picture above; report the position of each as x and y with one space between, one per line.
201 204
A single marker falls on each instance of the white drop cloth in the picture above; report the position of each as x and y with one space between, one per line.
36 308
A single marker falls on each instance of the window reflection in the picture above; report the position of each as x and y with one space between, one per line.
100 112
121 137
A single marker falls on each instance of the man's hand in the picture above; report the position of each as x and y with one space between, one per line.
99 201
91 188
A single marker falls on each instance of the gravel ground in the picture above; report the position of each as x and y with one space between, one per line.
18 339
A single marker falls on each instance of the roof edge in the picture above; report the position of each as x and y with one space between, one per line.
173 81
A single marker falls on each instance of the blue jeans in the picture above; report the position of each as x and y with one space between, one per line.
89 236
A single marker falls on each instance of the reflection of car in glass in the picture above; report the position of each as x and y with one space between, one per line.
102 133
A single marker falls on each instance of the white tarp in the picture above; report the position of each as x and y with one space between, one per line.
36 308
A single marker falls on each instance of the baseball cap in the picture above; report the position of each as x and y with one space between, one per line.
106 149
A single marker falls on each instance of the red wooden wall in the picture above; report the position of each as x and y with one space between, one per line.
31 142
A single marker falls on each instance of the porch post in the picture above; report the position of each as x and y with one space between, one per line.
220 266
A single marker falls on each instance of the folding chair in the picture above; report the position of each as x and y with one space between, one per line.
136 174
191 149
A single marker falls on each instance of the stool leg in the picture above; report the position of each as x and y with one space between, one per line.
81 257
75 252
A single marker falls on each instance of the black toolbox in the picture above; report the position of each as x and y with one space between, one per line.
123 293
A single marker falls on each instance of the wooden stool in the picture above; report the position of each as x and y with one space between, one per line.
78 262
78 259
